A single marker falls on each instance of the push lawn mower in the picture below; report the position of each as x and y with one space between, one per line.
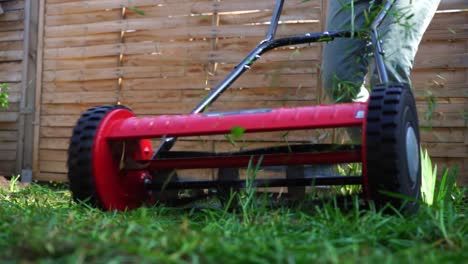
112 165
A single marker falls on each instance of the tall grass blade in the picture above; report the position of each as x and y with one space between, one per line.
429 176
447 184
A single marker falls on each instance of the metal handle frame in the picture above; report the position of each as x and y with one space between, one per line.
270 43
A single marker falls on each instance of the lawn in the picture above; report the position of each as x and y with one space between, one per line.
40 223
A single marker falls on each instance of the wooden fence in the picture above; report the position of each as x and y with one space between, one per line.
164 61
11 57
18 43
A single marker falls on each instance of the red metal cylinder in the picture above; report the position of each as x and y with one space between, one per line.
321 116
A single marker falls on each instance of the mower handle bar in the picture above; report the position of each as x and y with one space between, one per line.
270 43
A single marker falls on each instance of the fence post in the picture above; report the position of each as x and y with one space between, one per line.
38 85
24 87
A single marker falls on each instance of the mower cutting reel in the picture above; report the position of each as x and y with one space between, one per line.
112 164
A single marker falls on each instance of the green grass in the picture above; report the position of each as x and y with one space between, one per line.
4 95
41 224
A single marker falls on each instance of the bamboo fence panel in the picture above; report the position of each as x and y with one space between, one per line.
11 58
165 61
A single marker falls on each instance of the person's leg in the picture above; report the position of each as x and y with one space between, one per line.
344 63
344 60
401 34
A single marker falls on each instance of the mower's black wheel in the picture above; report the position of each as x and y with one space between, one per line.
392 148
94 164
80 171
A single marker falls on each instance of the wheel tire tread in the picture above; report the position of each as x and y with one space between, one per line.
383 159
79 162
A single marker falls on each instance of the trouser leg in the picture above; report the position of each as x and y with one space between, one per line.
401 34
345 61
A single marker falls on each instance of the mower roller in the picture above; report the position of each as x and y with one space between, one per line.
112 164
